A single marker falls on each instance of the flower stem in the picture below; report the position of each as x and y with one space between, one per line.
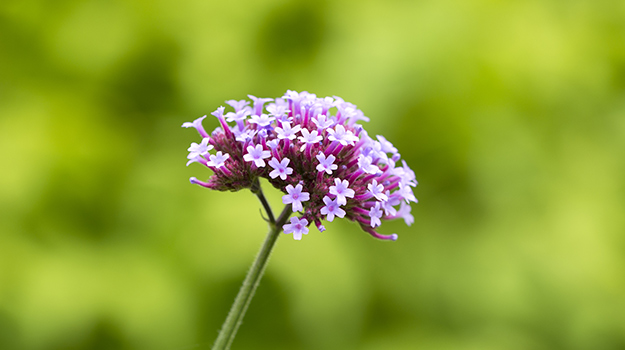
258 191
242 301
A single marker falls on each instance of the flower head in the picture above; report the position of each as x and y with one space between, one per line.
323 161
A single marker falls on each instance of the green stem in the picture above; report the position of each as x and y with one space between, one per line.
258 191
242 301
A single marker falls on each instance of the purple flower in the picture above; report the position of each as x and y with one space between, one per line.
310 137
377 190
404 213
341 190
387 147
286 132
238 105
256 154
197 124
237 116
202 149
295 196
297 227
218 160
331 209
323 122
277 111
317 154
389 204
273 144
195 160
365 164
244 135
326 164
259 103
375 213
406 193
262 120
345 137
408 176
280 168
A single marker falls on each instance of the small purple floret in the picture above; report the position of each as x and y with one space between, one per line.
295 196
218 160
326 164
297 227
341 190
280 168
332 209
256 154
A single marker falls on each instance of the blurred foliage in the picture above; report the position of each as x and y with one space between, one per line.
512 114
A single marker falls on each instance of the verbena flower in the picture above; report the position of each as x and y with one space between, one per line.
297 227
318 155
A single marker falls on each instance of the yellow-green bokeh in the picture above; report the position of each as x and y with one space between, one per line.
511 113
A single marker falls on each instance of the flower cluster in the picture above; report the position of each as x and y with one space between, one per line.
313 150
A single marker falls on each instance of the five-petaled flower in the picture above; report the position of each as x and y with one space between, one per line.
332 209
280 168
218 160
256 154
297 227
342 191
295 196
326 163
196 150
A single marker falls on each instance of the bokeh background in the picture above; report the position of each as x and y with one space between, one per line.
511 113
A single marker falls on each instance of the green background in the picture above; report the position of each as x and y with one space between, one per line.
511 113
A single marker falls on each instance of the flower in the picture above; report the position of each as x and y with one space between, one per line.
365 163
326 163
332 209
310 137
295 196
197 124
377 190
345 137
286 132
196 150
341 190
237 116
256 154
375 213
262 120
322 122
323 161
218 160
297 227
280 168
238 105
